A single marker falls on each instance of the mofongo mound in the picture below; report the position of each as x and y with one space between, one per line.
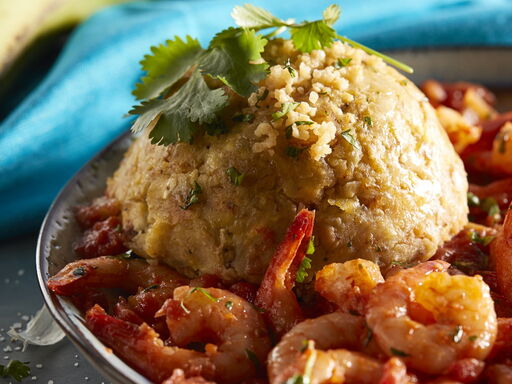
335 130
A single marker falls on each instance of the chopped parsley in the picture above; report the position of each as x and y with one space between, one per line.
216 128
344 62
244 118
303 122
473 338
294 151
15 369
229 305
290 69
490 205
473 200
236 177
193 196
285 108
80 271
457 334
150 288
289 129
204 292
302 272
368 120
349 138
127 255
261 97
258 309
398 352
295 379
475 237
311 246
253 358
176 113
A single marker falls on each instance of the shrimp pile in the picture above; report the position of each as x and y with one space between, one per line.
446 320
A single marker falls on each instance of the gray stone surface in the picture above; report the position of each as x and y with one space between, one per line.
19 299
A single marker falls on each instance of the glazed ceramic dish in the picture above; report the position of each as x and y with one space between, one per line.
488 66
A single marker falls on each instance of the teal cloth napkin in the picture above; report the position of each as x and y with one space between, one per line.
79 107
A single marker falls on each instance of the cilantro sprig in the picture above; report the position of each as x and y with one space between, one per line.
178 101
15 369
307 35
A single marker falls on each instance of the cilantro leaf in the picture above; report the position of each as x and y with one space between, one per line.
15 369
166 65
331 14
231 59
314 35
250 16
193 103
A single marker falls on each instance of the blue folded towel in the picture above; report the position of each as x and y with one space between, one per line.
79 107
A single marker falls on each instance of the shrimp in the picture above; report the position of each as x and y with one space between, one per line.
111 272
178 377
501 256
503 346
349 284
336 366
499 374
462 320
141 347
334 330
236 334
275 294
502 149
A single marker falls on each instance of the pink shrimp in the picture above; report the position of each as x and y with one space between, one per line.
275 295
464 321
235 332
501 256
141 347
111 272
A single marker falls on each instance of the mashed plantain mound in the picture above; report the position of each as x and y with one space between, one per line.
335 130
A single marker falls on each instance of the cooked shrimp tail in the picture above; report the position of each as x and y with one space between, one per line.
141 347
275 295
111 272
501 256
